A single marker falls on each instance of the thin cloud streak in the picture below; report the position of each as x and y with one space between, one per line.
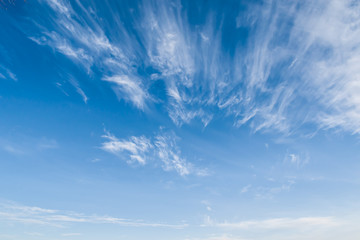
277 223
13 212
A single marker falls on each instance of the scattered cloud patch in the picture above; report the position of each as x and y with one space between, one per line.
245 189
161 149
297 160
137 147
269 192
207 205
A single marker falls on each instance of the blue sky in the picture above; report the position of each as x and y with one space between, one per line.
189 120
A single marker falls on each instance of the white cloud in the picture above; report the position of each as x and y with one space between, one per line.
278 223
78 89
298 66
45 143
25 145
137 147
130 89
322 51
71 234
245 189
161 149
168 152
268 192
6 73
207 205
13 212
34 234
81 38
298 160
220 237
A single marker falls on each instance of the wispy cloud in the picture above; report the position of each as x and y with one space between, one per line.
13 212
298 160
170 155
129 88
81 38
78 89
162 148
137 147
207 205
6 73
268 192
220 237
71 234
298 64
27 145
277 223
245 189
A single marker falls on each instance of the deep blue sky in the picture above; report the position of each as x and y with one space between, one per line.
196 120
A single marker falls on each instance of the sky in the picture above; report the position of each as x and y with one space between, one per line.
179 119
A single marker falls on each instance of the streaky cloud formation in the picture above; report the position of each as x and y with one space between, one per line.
14 212
162 147
192 120
297 52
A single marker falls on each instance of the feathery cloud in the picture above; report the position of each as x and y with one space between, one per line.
137 147
13 212
297 66
161 149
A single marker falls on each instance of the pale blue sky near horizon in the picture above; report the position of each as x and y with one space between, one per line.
179 119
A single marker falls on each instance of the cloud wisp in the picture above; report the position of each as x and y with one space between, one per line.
6 73
162 150
277 223
13 212
136 147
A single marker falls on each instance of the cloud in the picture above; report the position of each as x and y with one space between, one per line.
294 74
13 212
245 189
207 205
298 160
78 89
6 73
137 147
321 52
297 65
34 234
81 38
26 145
267 192
161 149
130 89
278 223
71 234
168 152
220 237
